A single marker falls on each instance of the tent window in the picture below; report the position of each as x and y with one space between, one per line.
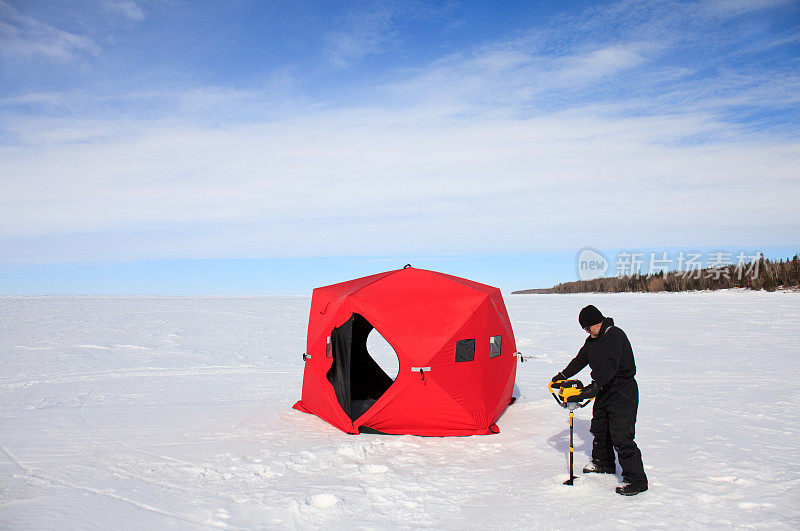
383 353
494 346
465 350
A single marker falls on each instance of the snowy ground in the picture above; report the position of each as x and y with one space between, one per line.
157 413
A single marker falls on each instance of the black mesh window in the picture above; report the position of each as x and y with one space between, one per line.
465 350
494 346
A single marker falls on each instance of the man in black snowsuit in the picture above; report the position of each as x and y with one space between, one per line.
608 353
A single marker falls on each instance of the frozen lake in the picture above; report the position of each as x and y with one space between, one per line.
155 413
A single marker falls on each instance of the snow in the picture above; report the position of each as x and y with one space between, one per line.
175 413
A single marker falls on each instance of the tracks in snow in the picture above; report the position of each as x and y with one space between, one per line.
144 372
31 473
127 447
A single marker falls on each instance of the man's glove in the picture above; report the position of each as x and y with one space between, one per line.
590 391
559 376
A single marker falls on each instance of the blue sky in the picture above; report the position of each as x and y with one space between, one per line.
269 147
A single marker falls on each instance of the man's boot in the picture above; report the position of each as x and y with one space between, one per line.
631 489
596 467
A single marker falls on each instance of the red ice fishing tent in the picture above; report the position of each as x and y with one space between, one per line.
453 340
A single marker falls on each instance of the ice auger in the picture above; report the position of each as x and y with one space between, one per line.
566 389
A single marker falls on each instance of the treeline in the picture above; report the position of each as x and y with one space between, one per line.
763 274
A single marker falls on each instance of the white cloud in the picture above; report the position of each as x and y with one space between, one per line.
721 9
515 74
380 183
44 99
596 64
364 33
371 29
126 8
23 37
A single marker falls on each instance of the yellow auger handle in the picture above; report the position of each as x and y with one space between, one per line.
559 397
557 383
567 391
562 388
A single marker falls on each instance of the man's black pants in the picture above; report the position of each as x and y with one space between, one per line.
614 425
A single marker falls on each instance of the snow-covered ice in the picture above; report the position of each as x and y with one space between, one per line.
157 413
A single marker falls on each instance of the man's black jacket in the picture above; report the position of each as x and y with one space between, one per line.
609 355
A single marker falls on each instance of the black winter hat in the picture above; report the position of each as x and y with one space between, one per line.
589 316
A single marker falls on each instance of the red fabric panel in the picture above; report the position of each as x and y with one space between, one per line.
326 302
416 311
423 408
318 396
300 407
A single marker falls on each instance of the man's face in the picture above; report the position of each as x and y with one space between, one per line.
594 329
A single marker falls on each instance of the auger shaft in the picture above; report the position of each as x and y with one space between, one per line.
571 450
